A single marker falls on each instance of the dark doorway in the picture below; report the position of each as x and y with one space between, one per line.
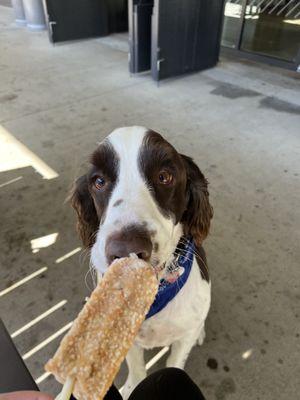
140 13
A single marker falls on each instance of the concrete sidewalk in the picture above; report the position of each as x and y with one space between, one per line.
241 123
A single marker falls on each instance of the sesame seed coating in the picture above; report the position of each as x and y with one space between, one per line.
105 329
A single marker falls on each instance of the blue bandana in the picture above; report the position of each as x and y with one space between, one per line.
167 291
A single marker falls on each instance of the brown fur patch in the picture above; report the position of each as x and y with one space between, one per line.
90 203
118 202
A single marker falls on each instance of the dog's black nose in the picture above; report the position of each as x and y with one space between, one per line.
129 240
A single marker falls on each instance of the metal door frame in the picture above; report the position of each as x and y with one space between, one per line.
238 52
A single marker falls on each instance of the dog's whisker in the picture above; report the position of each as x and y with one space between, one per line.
85 280
183 250
196 254
194 251
93 273
93 235
177 283
83 255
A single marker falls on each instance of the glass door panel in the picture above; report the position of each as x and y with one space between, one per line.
272 28
232 22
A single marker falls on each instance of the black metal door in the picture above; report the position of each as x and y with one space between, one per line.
140 12
185 36
79 19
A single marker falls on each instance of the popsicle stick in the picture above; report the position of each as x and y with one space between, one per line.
67 390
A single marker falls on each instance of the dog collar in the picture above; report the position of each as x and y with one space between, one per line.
166 290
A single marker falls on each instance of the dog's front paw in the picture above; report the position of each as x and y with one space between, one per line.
127 389
201 337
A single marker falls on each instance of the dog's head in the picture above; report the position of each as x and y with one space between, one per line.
140 196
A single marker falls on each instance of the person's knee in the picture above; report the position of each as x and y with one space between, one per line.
174 374
178 383
167 379
167 383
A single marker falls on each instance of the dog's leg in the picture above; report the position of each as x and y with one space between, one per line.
180 351
201 336
137 370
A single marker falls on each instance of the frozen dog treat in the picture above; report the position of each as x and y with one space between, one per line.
91 353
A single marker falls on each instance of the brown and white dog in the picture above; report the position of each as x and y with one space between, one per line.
141 196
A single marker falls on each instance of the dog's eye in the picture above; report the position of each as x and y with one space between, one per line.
99 183
165 177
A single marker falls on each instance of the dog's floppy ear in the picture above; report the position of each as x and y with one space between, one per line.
196 218
87 219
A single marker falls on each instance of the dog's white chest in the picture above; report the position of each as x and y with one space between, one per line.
185 313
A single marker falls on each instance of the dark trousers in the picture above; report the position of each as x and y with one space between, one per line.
165 384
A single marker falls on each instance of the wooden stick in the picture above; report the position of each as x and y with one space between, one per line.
67 390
